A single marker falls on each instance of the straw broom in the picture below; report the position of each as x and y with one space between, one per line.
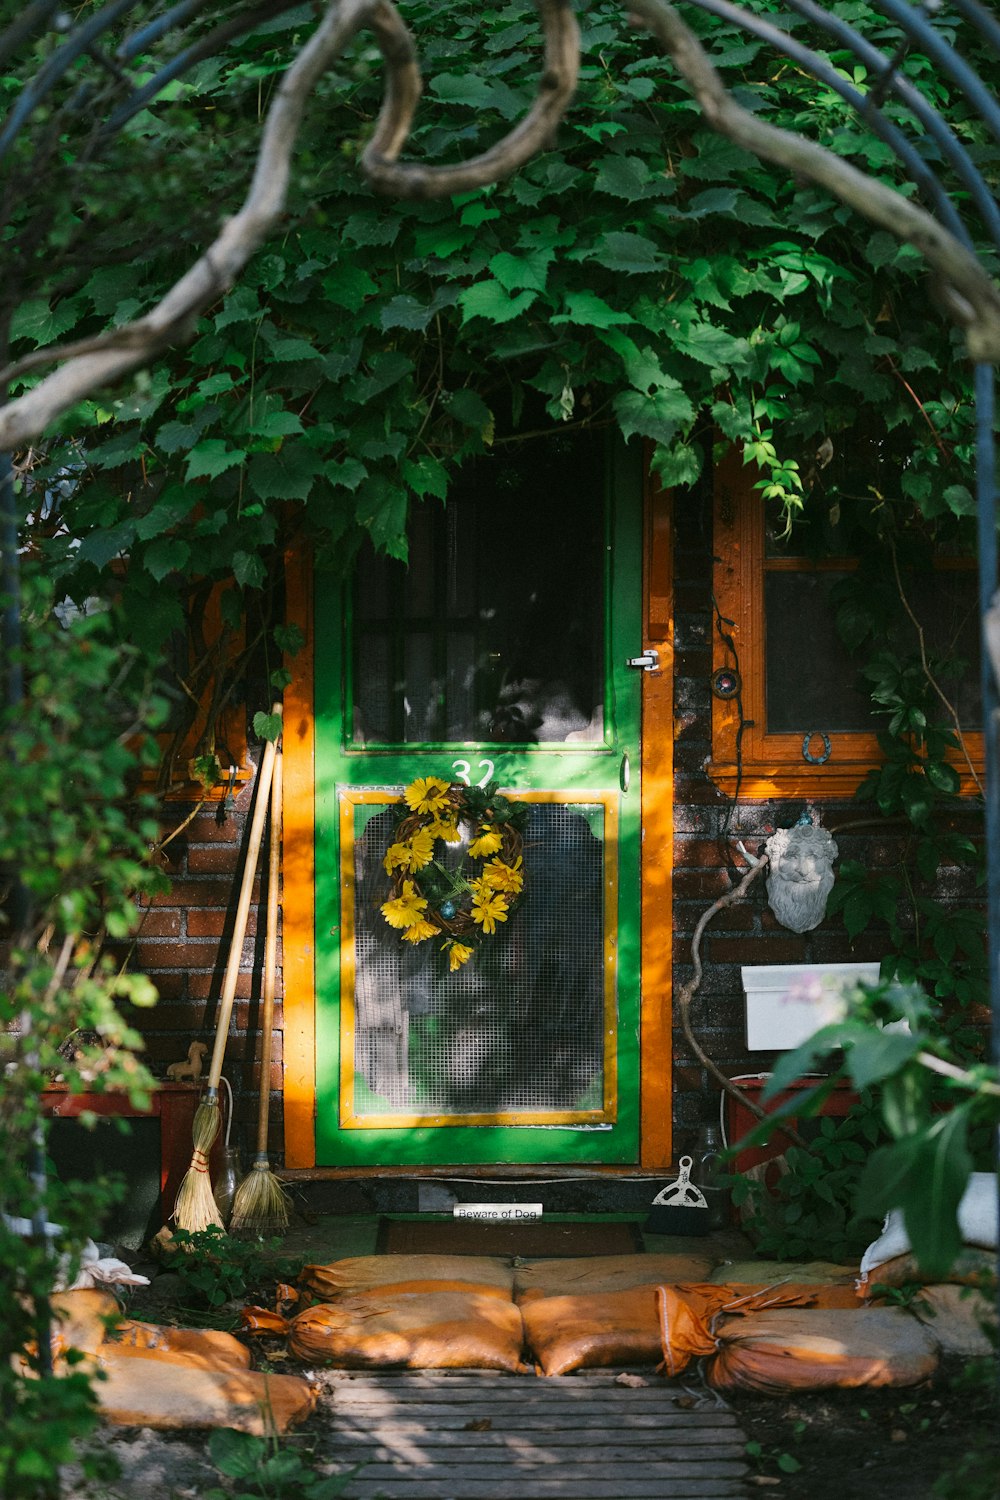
261 1202
196 1207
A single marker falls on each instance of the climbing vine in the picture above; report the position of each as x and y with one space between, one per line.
642 274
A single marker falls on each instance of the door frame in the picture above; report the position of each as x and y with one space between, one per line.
298 1016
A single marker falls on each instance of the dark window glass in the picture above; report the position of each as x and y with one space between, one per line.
494 632
812 681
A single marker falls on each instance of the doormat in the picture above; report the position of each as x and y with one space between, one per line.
472 1237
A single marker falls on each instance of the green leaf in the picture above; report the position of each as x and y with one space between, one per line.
515 271
679 465
630 178
167 555
371 227
284 350
425 476
288 475
276 424
248 570
942 777
349 287
239 1454
211 457
406 312
488 299
629 254
382 509
925 1175
589 310
476 93
879 1055
469 409
659 415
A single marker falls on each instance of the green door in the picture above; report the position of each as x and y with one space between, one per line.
499 654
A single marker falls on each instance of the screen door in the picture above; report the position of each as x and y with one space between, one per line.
497 655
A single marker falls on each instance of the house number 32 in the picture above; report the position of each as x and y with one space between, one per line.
462 770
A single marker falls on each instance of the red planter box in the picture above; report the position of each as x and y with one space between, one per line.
740 1121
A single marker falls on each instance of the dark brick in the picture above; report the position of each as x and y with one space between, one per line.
757 950
700 885
184 954
161 923
207 986
215 859
213 922
699 853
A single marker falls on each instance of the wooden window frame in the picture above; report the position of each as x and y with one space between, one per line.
756 763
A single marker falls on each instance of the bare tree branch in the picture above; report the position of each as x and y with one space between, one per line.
87 365
970 297
535 131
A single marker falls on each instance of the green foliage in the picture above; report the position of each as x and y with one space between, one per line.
810 1210
641 271
927 1154
215 1267
264 1470
73 858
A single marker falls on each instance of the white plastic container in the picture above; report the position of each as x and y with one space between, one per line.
786 1003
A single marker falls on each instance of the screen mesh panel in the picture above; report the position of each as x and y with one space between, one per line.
520 1028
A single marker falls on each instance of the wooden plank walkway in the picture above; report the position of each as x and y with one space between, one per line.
469 1435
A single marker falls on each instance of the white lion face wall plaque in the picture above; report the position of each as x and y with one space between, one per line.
800 877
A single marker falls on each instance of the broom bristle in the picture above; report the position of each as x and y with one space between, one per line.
261 1202
196 1207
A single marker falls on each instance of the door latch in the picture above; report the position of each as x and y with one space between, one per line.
649 661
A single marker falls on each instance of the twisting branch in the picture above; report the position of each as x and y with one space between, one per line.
412 180
87 365
967 292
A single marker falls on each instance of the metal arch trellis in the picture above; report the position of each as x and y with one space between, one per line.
918 30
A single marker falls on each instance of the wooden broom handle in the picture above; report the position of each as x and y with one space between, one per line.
243 908
270 957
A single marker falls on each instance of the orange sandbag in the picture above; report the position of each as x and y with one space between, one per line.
261 1322
418 1331
81 1319
580 1275
688 1314
592 1330
809 1350
971 1267
142 1389
205 1348
359 1273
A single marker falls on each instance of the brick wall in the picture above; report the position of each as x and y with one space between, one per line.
183 944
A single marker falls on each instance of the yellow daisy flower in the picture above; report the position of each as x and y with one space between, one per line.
405 909
500 877
426 794
420 851
443 829
488 909
458 954
486 842
418 931
396 854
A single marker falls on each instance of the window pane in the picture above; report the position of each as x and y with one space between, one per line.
812 681
810 678
495 630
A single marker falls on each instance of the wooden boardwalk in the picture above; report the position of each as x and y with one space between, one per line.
468 1435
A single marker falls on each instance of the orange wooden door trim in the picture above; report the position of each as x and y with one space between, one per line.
298 883
656 1135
